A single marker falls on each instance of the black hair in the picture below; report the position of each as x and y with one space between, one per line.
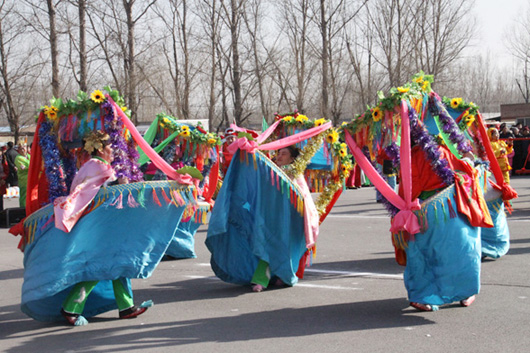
293 151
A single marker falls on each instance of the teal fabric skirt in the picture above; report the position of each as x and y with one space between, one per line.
114 239
443 261
256 217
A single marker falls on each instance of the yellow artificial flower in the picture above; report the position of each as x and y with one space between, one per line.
211 141
346 167
301 118
403 89
288 118
425 85
455 102
185 133
342 152
185 128
52 115
344 123
332 137
419 79
55 109
97 96
320 122
124 108
470 119
377 114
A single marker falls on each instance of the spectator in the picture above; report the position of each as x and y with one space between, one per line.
519 155
11 154
22 164
4 171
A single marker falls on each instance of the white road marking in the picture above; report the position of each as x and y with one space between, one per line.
341 273
309 285
355 274
356 216
299 284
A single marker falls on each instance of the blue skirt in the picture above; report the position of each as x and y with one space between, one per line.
496 241
443 261
257 216
106 244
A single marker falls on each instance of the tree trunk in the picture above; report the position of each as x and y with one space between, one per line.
82 46
9 107
236 69
131 74
325 58
213 43
53 47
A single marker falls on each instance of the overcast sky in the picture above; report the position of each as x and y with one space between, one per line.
494 19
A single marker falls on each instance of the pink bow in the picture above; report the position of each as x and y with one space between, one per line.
184 179
243 144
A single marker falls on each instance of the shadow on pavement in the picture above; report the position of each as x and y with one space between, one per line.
10 274
283 323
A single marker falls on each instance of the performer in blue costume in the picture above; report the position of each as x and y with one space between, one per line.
258 218
86 272
443 261
495 241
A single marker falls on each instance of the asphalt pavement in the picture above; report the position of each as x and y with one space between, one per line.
351 300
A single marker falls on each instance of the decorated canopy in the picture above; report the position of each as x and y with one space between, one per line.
411 111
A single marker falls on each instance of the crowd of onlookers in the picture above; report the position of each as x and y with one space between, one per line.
521 142
14 161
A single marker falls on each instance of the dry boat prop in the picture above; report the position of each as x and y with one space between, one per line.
124 231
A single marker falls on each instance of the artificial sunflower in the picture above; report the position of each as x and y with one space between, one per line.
185 128
403 89
301 118
470 119
455 102
52 114
212 141
185 133
425 85
419 79
377 114
320 122
97 96
346 167
332 137
288 118
124 108
342 152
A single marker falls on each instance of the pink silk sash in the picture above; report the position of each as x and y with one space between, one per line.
86 184
157 160
405 219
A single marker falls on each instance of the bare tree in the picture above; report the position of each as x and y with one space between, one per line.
519 46
82 46
18 71
210 17
297 30
441 31
392 21
177 55
53 48
232 15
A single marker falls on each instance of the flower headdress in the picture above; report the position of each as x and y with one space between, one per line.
95 141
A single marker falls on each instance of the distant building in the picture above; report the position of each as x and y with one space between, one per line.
26 134
516 113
